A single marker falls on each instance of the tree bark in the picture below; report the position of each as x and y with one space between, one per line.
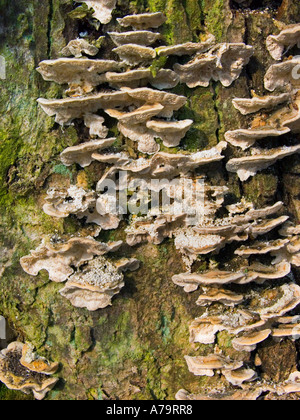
134 349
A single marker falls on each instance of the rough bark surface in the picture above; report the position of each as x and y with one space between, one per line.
134 349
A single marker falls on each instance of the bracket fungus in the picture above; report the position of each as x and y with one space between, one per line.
236 296
282 75
163 79
224 63
188 48
102 9
162 164
170 101
207 365
291 331
245 394
59 258
82 75
279 44
35 363
63 202
143 38
260 159
152 230
133 54
96 125
137 116
261 248
251 106
68 109
78 46
171 132
143 21
82 154
247 138
94 286
22 370
248 342
239 376
217 295
254 324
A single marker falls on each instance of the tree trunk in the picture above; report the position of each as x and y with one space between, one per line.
134 349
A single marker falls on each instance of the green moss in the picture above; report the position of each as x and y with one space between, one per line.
176 28
215 15
10 395
80 12
201 109
261 189
9 149
157 64
62 170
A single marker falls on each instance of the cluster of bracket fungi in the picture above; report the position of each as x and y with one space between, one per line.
145 114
